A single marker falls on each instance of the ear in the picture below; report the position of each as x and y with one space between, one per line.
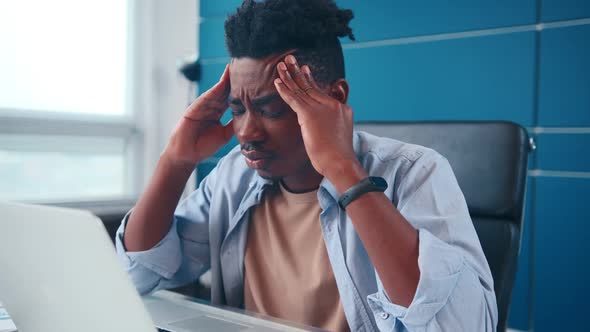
339 90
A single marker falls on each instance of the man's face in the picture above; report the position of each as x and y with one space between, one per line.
265 125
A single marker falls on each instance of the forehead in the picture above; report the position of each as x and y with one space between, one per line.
253 77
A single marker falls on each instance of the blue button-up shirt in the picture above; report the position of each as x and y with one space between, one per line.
455 291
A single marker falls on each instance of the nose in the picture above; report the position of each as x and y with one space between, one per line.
249 128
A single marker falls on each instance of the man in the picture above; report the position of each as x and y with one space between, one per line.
288 222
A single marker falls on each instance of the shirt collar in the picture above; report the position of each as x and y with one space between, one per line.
327 193
259 182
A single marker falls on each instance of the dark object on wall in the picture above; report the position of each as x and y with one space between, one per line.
489 160
191 69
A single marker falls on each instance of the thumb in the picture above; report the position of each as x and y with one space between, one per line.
221 88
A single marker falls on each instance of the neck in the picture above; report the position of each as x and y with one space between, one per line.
306 180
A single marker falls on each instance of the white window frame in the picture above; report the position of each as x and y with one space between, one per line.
161 34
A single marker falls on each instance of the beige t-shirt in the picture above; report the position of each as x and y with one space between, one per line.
287 272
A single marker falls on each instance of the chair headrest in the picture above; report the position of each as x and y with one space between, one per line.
489 159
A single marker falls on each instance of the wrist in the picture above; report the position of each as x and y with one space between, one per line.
171 159
367 185
346 174
174 167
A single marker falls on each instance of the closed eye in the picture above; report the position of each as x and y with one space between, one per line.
238 111
267 114
272 115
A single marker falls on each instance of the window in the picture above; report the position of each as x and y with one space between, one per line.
68 128
89 93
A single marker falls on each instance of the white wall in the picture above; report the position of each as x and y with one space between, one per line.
168 30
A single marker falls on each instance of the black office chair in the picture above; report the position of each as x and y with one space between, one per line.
490 162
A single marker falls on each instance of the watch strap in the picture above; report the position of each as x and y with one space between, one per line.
370 184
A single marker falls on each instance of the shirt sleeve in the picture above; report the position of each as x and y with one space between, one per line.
182 255
455 291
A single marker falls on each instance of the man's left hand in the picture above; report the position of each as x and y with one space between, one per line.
326 123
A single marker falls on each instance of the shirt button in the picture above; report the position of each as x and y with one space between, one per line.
384 315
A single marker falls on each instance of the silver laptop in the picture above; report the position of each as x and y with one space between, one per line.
59 272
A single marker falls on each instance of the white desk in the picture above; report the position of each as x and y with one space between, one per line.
240 318
237 319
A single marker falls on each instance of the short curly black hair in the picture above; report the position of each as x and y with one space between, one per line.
311 27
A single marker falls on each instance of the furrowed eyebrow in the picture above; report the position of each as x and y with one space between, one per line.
256 102
265 99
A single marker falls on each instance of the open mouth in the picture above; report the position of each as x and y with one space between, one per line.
257 159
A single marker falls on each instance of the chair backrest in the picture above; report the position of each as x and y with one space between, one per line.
489 160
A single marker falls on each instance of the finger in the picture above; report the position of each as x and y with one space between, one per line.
221 88
315 91
287 78
298 76
292 99
213 102
217 135
206 109
204 103
285 75
307 72
290 84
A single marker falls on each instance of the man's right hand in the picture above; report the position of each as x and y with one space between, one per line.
200 133
196 136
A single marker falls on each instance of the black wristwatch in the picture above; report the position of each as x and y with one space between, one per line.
370 184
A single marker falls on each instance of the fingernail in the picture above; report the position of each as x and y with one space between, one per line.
306 69
278 81
291 59
282 66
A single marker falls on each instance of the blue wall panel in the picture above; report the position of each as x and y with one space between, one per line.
561 250
218 8
392 20
564 87
481 78
564 152
212 39
555 10
386 19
